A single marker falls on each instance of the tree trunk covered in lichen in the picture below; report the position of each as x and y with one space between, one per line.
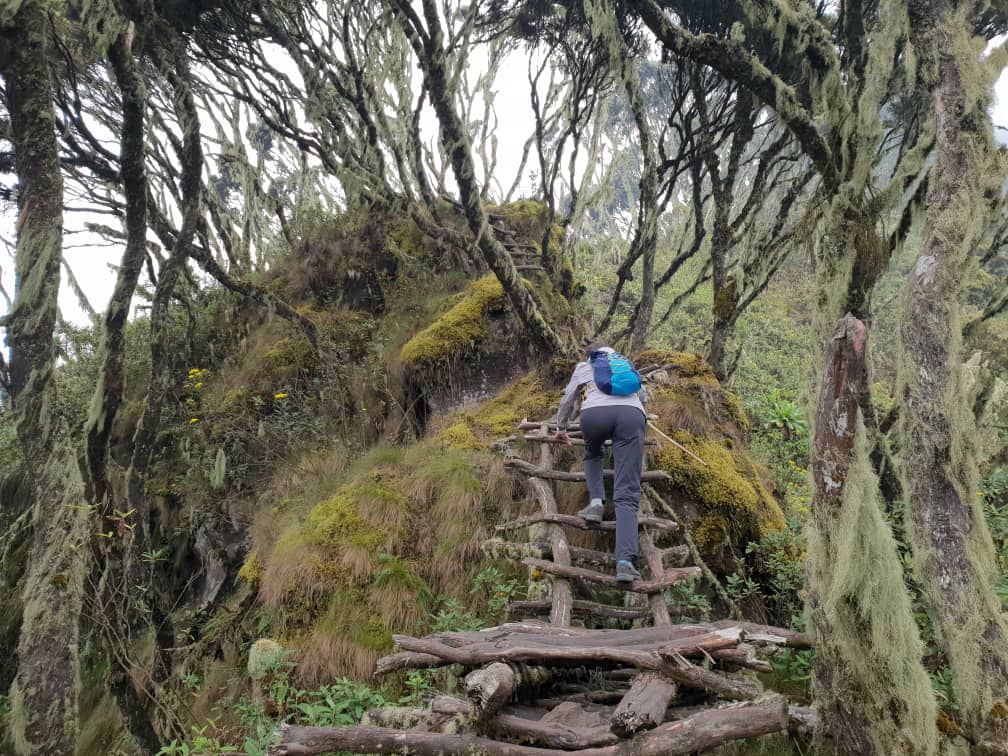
44 694
108 393
953 552
429 48
873 692
161 377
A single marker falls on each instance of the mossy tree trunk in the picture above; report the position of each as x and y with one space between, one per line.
161 378
108 395
873 692
44 696
427 39
953 551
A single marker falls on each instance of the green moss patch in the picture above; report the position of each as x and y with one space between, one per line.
495 418
460 329
728 486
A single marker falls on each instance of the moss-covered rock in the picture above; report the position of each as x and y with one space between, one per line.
460 330
729 501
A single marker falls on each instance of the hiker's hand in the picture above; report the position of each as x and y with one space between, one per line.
563 438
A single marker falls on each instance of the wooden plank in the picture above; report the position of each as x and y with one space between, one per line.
573 521
590 608
649 476
670 578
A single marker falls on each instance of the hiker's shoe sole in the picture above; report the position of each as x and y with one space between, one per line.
627 576
591 514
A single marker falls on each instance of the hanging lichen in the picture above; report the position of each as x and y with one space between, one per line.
871 655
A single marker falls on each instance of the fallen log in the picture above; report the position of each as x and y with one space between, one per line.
743 656
643 707
490 688
566 727
730 688
670 578
768 634
528 468
699 732
702 645
540 633
642 657
581 524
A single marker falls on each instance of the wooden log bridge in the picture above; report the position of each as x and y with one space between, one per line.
599 691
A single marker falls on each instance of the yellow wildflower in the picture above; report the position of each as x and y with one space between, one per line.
199 384
193 420
281 395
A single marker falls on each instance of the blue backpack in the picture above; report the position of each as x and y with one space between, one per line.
614 374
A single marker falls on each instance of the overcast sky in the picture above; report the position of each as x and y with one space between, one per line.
90 263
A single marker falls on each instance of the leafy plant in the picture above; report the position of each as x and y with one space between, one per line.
686 597
741 587
452 616
202 744
498 591
787 417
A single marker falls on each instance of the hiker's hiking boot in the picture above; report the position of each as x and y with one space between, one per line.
626 572
593 512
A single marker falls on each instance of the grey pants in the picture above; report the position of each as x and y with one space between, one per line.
625 426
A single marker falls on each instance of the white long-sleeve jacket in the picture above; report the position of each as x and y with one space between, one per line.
584 376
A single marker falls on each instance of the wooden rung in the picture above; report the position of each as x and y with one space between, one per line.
648 476
550 424
590 608
539 438
582 524
522 268
499 548
671 577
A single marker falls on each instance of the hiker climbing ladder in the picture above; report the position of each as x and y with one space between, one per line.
606 690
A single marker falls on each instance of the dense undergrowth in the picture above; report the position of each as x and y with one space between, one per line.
311 502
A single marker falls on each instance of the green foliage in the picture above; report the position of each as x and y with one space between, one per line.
203 744
787 416
451 616
778 559
497 590
689 600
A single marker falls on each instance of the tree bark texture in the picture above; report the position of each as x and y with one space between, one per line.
44 695
699 732
879 702
643 706
161 366
108 394
953 552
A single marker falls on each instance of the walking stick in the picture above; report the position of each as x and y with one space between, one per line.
675 443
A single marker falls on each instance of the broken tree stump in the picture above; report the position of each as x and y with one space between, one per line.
490 688
643 707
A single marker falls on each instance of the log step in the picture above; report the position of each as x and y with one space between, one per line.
498 548
581 524
670 578
590 608
539 438
648 476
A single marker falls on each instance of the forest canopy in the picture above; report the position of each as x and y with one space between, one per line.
287 279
